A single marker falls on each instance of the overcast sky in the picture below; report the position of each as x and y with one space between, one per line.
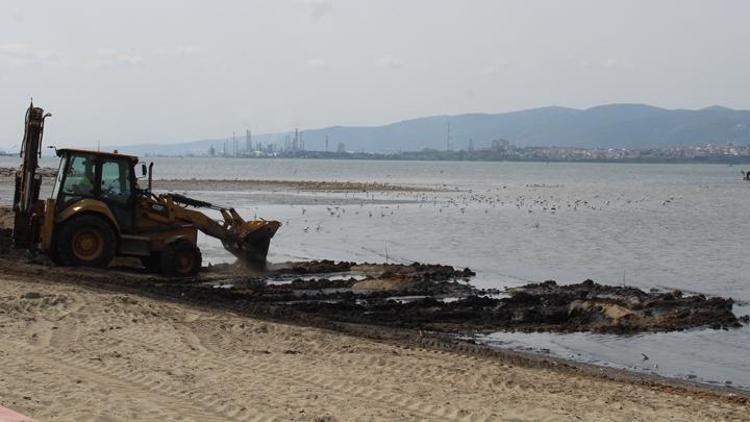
132 72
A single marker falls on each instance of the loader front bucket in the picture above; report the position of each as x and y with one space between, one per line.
253 240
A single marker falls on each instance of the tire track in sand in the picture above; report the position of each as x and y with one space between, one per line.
142 388
159 400
224 358
437 369
160 406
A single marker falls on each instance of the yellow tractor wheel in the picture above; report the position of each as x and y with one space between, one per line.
86 240
152 263
181 258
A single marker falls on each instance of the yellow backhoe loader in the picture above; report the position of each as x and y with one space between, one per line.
98 211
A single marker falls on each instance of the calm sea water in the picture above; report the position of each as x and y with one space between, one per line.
646 225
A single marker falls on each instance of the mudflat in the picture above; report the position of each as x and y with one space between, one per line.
7 175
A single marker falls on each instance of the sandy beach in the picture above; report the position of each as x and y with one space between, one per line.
328 211
77 353
90 345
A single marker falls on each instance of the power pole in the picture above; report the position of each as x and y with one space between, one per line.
326 143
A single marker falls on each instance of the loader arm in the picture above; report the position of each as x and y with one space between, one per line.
247 240
203 222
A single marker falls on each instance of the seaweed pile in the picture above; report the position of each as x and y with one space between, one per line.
416 296
328 281
547 306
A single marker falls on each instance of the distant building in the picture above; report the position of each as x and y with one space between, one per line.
500 144
341 148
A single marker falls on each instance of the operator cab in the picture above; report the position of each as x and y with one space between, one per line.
101 176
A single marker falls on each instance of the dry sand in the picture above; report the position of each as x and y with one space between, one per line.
73 353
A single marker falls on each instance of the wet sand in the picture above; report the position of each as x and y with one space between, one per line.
81 353
294 185
7 177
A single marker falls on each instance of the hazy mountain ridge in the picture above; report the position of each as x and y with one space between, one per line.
613 125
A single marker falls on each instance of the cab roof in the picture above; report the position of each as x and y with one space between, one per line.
116 155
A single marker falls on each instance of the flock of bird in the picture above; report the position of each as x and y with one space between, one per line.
527 199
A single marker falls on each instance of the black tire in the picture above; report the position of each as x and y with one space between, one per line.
181 258
152 263
55 257
6 240
87 240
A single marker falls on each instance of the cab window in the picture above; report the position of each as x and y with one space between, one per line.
59 179
80 177
115 180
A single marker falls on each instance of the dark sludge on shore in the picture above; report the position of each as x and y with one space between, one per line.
440 298
425 297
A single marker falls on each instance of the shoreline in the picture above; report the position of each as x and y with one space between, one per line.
289 185
272 185
115 281
79 342
398 338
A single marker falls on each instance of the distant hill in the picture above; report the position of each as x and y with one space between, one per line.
615 125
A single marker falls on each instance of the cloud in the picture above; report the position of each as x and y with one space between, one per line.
318 8
317 63
106 57
607 63
493 67
18 54
17 15
187 50
613 63
180 50
388 61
